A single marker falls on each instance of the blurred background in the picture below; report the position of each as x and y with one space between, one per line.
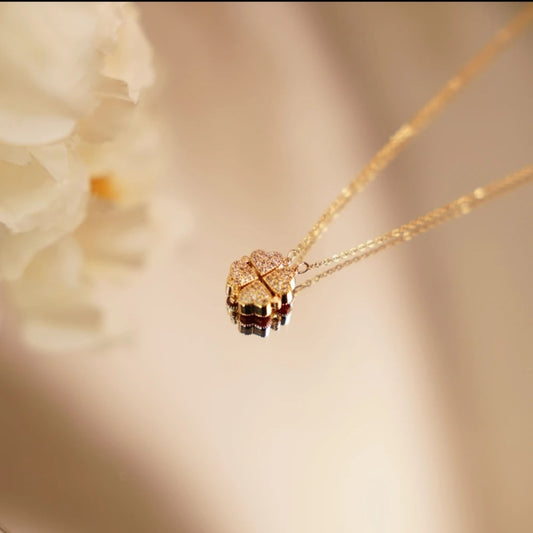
399 398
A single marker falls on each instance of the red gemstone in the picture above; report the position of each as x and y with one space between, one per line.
285 309
253 320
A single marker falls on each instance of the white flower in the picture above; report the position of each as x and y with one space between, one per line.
58 310
77 162
41 200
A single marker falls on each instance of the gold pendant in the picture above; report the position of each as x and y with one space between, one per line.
259 292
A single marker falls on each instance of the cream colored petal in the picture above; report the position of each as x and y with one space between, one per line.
114 238
56 308
59 264
135 158
18 249
24 127
131 59
55 159
30 197
110 16
48 65
63 319
17 155
108 120
112 88
36 211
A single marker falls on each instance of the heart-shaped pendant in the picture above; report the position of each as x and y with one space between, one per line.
259 292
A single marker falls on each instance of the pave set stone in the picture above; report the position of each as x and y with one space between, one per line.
259 292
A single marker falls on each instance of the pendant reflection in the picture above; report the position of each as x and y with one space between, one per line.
259 325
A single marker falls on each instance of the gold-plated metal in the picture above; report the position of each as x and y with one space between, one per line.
260 292
260 288
413 127
303 267
457 208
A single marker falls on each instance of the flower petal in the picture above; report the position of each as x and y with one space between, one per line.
114 238
48 66
18 249
131 60
30 197
27 128
58 311
17 155
55 159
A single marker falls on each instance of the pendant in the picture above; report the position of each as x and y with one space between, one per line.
259 292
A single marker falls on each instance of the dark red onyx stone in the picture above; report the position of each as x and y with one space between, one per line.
253 320
285 309
253 330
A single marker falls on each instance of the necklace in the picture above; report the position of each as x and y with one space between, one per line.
260 288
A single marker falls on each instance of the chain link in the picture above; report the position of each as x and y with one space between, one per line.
457 208
393 147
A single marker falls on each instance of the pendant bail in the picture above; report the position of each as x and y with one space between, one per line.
303 267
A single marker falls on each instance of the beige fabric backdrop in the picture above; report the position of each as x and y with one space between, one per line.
399 398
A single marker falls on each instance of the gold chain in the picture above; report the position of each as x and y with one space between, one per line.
461 206
393 147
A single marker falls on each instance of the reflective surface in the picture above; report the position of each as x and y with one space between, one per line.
258 325
260 292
